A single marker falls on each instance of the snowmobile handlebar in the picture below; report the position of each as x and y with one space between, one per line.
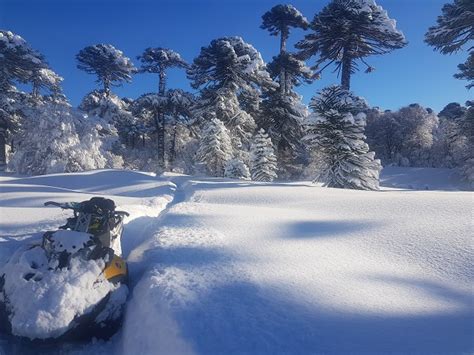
57 204
77 207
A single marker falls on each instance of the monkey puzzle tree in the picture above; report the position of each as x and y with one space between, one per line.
453 31
278 22
282 111
346 31
336 129
224 70
109 64
157 61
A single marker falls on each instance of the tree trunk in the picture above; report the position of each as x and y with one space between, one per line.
162 83
161 122
346 70
35 90
173 142
106 88
283 38
3 149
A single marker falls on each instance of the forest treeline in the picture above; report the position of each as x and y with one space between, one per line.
245 119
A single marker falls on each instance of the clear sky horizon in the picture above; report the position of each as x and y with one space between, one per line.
59 29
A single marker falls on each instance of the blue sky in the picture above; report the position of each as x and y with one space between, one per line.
59 29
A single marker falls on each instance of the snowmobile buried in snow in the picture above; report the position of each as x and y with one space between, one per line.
71 284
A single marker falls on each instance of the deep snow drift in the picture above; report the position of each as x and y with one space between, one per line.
239 267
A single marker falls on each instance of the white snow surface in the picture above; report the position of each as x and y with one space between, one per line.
237 267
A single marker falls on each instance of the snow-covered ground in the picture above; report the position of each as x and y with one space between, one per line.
226 266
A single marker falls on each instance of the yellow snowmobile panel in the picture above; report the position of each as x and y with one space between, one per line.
116 269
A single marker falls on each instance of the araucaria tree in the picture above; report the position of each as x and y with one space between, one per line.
278 21
282 111
336 129
158 61
109 64
347 31
223 71
454 31
263 162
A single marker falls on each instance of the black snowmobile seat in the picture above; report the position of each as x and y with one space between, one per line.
98 205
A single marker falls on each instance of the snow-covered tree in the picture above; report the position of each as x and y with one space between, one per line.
466 70
384 135
18 62
52 142
283 113
454 30
215 147
158 61
450 144
151 109
452 111
346 31
417 125
109 64
223 71
336 129
278 21
237 169
406 137
180 105
46 78
467 127
228 62
263 162
114 121
283 118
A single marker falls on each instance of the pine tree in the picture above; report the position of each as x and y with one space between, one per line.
453 31
215 147
346 31
109 64
263 164
336 129
237 169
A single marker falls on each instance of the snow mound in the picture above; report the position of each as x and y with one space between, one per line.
43 301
